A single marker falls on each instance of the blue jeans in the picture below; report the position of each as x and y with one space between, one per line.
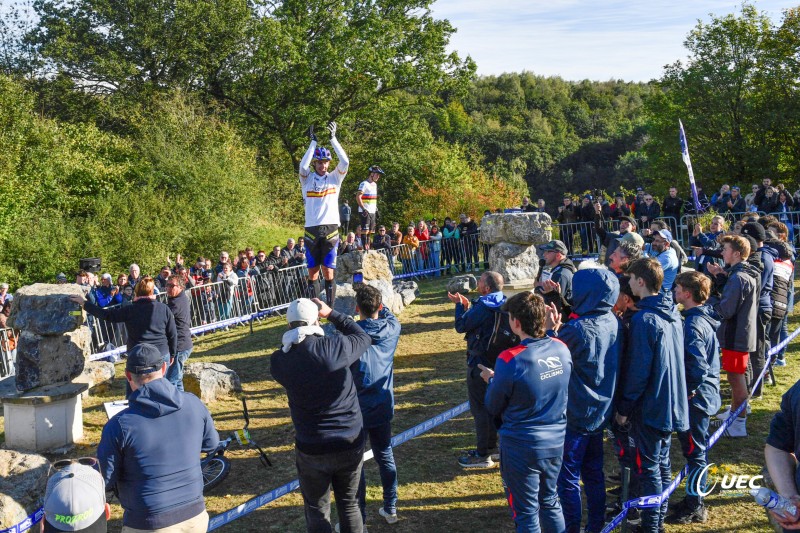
530 486
317 474
652 453
694 443
434 259
583 459
175 370
381 440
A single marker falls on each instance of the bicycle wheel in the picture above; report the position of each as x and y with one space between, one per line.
215 470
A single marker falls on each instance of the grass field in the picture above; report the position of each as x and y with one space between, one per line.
435 494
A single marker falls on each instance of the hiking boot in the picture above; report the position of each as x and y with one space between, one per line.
687 515
391 518
472 460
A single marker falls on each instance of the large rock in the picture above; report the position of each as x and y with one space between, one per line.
463 284
23 480
45 309
373 265
346 297
99 375
516 262
47 360
210 381
517 228
408 291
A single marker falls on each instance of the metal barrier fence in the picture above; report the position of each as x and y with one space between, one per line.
434 258
8 351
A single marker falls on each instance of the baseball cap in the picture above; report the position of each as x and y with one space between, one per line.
302 310
144 358
665 234
735 188
555 246
639 189
633 237
75 500
755 230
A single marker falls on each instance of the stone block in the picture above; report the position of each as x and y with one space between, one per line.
98 375
408 291
463 284
210 381
45 309
44 360
517 228
515 262
23 480
346 297
373 265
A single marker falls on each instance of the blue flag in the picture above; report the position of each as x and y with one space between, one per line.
686 159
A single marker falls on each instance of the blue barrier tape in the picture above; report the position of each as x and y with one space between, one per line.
656 499
31 520
259 501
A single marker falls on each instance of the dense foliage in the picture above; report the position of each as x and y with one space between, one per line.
130 129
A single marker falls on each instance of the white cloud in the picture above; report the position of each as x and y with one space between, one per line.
577 39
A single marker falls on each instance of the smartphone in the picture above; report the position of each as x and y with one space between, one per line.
358 278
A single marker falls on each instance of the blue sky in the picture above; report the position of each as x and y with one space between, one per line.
580 39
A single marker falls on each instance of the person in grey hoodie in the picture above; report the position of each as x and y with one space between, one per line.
594 340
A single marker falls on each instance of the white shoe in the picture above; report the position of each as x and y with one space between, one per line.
737 429
390 518
727 412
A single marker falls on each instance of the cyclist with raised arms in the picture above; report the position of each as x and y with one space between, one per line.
321 198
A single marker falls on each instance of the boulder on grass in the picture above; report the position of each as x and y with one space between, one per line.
210 381
23 480
99 375
346 297
408 291
45 309
517 228
462 284
373 265
515 262
44 360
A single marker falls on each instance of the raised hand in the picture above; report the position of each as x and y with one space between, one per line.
311 135
332 129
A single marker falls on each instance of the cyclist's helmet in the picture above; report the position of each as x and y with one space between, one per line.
376 169
322 154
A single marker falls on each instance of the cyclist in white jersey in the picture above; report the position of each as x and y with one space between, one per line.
321 197
367 198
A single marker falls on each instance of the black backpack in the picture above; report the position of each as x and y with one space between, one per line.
502 338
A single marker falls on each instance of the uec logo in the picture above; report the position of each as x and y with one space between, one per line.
697 485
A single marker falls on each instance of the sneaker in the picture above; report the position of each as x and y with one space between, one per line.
494 453
472 460
779 362
737 429
391 518
727 412
688 515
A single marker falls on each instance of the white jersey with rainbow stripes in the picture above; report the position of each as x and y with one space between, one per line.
321 193
369 196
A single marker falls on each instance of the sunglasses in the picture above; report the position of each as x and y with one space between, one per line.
86 461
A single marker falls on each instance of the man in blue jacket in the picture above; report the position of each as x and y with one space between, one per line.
374 379
528 390
594 340
323 403
701 362
476 320
149 454
654 391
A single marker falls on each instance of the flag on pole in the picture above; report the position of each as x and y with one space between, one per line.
686 159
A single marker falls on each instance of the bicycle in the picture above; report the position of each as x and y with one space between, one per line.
216 466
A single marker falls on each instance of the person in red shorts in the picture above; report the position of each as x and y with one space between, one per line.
738 307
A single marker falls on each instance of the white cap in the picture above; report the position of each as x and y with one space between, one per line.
302 310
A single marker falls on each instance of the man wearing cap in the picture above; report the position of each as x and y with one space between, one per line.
149 454
367 198
555 281
609 238
61 279
665 255
314 368
75 500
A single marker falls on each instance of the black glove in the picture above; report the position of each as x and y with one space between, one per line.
311 134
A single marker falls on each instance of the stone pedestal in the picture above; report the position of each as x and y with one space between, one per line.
44 418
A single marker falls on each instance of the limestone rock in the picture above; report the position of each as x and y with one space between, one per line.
45 309
99 375
463 284
517 228
23 480
209 381
408 291
46 360
346 297
516 262
373 265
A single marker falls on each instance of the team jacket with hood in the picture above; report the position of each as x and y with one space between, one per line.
701 358
477 323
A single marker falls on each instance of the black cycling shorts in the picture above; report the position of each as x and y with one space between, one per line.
367 221
321 245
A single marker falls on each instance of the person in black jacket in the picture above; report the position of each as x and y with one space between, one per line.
323 403
735 203
587 212
671 209
178 303
147 320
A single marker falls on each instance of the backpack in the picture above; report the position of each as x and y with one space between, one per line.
501 339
